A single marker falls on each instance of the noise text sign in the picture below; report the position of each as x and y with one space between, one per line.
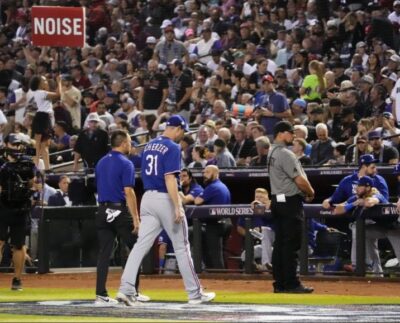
58 26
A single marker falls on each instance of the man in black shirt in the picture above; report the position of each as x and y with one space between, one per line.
92 143
180 89
384 154
155 89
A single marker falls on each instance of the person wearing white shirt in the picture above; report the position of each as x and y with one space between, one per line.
41 125
394 17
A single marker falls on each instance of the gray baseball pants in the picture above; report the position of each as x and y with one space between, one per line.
157 213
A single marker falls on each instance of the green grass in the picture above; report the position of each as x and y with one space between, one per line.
42 294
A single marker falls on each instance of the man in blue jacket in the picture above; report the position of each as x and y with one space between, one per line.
347 188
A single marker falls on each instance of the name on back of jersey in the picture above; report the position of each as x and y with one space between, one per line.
156 147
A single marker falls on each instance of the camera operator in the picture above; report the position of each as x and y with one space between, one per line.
16 179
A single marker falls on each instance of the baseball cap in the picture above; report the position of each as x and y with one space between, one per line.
66 77
396 3
395 58
93 117
361 44
111 95
367 79
176 61
346 85
113 61
373 134
177 121
387 115
169 28
151 40
301 103
389 75
238 54
367 159
13 139
283 126
365 181
268 78
166 23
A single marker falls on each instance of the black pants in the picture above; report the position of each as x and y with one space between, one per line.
214 237
288 218
122 226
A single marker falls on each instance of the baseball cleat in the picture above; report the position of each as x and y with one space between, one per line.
142 298
204 298
16 284
105 301
128 300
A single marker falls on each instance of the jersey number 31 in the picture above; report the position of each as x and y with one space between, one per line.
151 168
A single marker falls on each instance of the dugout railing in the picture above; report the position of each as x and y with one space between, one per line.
85 215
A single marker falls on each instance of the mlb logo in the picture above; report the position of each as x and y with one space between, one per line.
386 210
213 212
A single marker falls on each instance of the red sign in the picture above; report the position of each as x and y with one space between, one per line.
58 26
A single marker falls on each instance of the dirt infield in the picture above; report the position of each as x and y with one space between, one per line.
258 283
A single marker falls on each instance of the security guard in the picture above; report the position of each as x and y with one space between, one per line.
117 214
16 180
289 186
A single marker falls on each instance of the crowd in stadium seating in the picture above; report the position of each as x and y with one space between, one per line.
234 68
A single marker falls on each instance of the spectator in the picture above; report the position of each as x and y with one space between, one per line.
262 146
322 149
190 188
214 193
273 106
92 144
180 89
261 225
198 156
353 152
155 90
241 149
71 98
41 124
299 146
383 154
314 84
223 156
169 49
60 198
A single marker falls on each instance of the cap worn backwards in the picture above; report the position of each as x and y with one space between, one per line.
177 121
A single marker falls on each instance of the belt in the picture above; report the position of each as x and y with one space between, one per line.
112 204
158 191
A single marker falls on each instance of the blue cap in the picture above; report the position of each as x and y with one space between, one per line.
365 181
177 121
396 169
374 134
301 103
367 159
